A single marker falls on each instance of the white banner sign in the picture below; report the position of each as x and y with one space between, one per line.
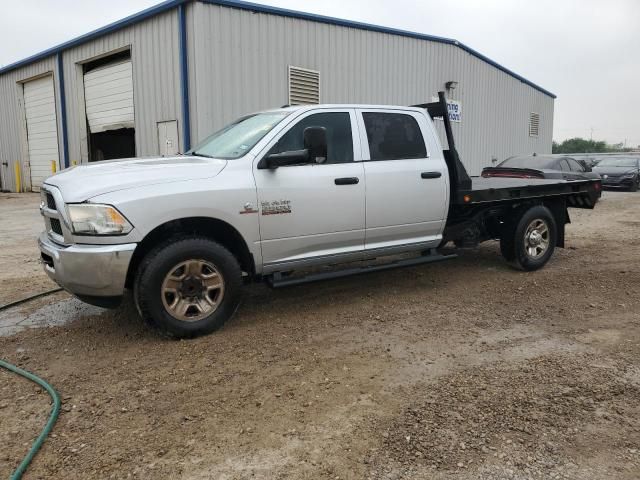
455 110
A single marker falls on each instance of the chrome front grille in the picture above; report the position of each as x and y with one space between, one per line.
55 226
52 209
51 202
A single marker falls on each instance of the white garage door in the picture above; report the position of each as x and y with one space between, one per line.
108 95
42 131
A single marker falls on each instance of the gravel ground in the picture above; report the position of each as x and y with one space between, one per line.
463 370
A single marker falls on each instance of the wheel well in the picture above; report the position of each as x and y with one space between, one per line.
212 228
557 207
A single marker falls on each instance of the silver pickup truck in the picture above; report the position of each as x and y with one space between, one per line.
276 193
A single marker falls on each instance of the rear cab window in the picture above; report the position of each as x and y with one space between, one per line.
393 136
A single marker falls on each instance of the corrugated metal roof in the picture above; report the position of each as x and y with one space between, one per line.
169 4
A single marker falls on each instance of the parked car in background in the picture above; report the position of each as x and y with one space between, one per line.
541 166
619 172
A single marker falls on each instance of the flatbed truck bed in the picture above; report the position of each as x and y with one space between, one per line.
580 193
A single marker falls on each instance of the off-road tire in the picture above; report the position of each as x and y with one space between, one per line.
158 263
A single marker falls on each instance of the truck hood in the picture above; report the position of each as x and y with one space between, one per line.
80 183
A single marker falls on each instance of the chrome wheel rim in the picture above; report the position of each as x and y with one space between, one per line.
192 290
536 238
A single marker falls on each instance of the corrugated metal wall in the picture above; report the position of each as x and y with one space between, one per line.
239 60
156 80
238 63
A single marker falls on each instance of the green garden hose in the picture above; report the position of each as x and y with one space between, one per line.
17 474
27 299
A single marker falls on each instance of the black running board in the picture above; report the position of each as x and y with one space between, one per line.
278 280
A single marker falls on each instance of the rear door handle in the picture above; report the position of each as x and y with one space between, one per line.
430 174
346 181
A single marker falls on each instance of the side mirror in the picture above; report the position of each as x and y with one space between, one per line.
292 157
315 142
315 151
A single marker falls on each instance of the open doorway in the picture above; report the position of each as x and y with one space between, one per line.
112 144
108 93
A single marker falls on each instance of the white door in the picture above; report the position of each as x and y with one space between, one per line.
42 130
406 187
311 212
108 96
168 138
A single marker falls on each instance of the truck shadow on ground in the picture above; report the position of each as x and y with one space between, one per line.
263 304
401 280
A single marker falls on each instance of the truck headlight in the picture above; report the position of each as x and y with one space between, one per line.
95 219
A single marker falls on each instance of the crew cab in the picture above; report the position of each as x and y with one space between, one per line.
278 193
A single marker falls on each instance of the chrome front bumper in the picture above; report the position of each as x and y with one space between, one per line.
87 270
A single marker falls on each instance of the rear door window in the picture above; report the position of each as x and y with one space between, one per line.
393 136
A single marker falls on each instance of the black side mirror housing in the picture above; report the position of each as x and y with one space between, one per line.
315 142
315 151
275 160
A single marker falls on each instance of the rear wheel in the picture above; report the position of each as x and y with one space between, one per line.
529 243
188 287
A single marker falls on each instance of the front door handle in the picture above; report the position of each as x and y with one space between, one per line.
431 174
346 181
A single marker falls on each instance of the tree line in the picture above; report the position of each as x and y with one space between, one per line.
582 145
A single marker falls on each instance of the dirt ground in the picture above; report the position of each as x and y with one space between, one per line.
463 370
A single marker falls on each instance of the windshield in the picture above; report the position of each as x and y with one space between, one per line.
618 162
236 139
527 162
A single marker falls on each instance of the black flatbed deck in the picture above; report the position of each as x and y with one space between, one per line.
585 193
478 192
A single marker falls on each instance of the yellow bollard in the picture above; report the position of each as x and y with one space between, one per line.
18 180
53 166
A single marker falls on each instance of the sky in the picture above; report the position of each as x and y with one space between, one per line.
587 52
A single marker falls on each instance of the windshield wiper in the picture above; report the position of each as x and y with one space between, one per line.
198 154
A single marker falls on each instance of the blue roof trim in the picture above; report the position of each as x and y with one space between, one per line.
169 4
112 27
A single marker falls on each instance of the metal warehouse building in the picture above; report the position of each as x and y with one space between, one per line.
160 80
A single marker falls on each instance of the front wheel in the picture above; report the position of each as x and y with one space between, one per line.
188 287
635 185
529 243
